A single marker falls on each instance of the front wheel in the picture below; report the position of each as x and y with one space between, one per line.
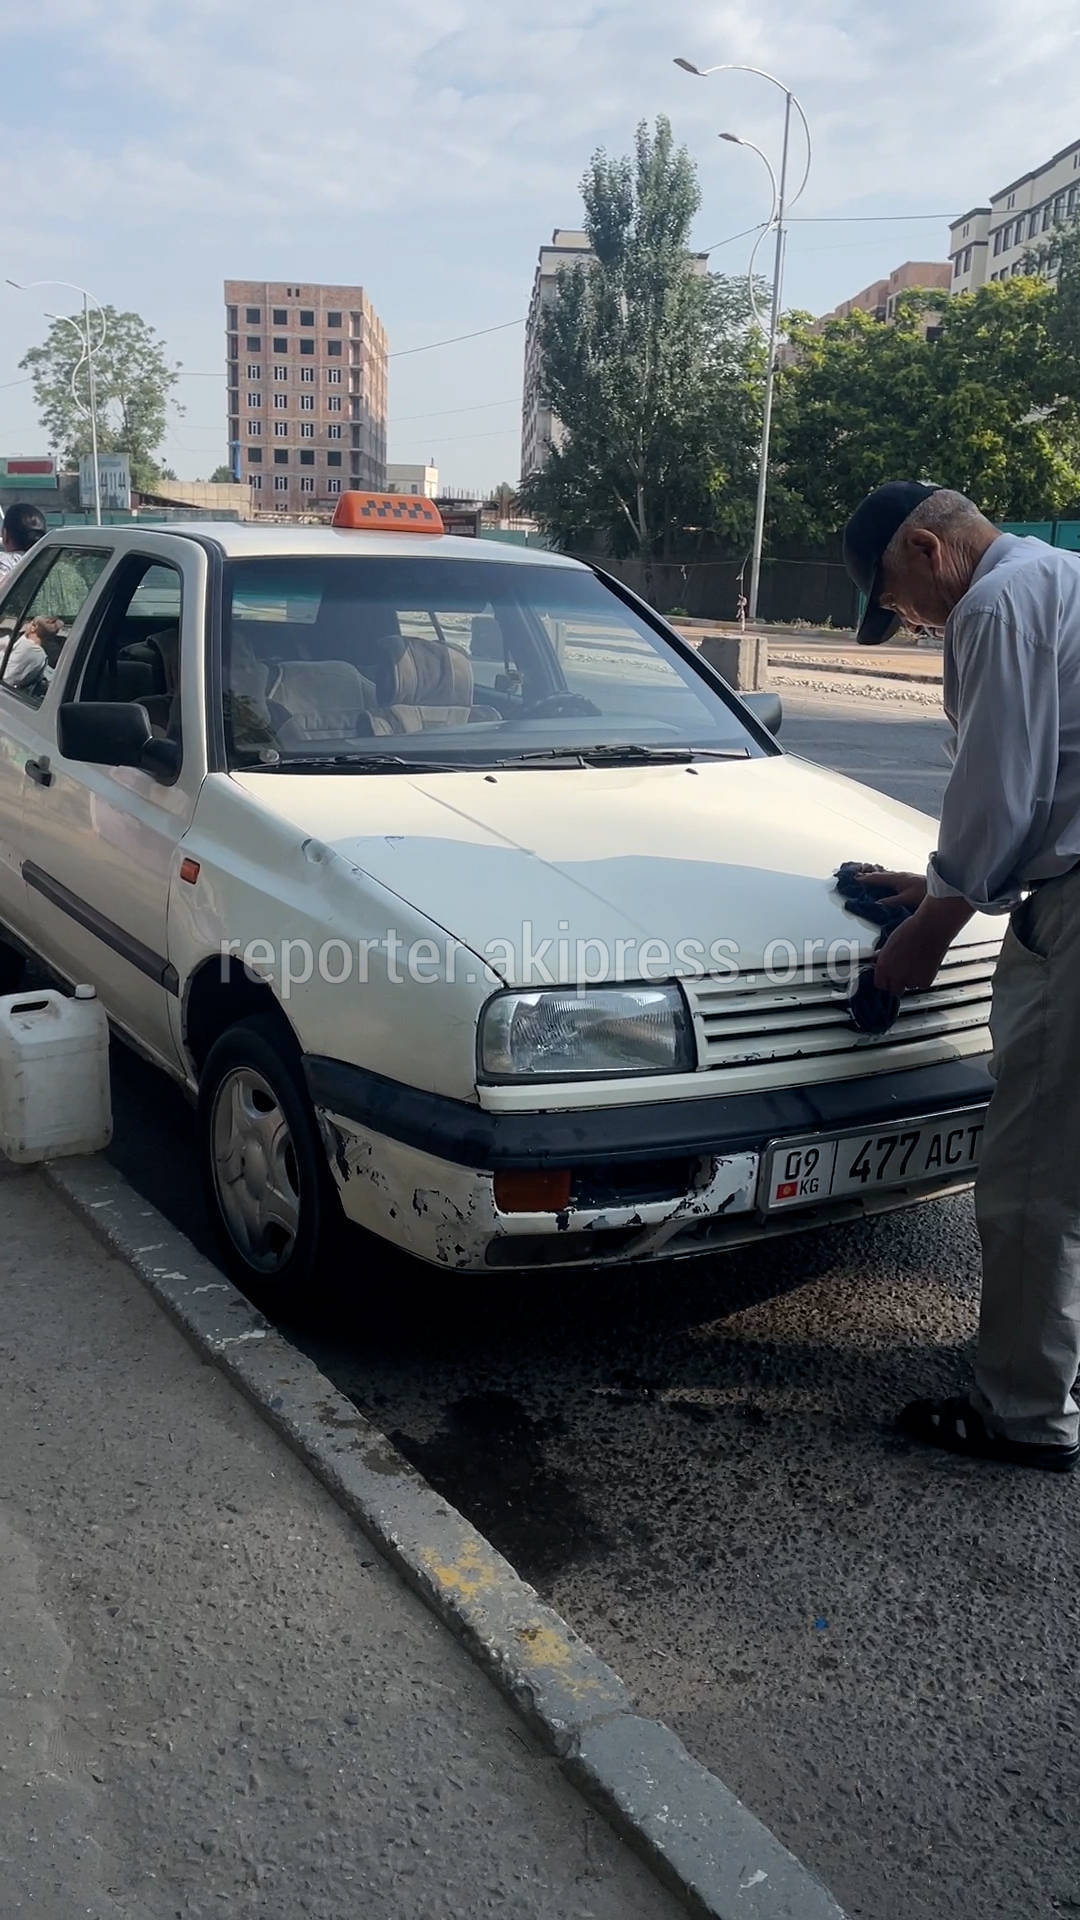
264 1167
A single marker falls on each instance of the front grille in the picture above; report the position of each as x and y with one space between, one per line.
744 1022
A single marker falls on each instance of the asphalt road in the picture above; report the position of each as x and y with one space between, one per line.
897 744
875 1647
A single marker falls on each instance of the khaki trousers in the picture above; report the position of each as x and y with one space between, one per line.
1027 1196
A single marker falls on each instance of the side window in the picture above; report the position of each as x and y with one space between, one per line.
135 653
46 598
157 595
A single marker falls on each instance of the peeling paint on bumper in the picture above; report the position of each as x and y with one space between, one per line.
447 1215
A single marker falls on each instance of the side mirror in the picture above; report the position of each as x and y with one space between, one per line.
114 733
767 709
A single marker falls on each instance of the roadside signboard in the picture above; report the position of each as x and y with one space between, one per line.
114 473
28 471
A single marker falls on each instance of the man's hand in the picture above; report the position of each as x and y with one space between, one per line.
910 958
896 889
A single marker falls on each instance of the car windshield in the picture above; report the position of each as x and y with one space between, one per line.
458 662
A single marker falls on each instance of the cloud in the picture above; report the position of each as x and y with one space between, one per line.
427 150
929 104
281 114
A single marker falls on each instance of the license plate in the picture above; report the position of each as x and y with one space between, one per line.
910 1153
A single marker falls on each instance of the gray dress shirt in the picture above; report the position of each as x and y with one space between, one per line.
1011 813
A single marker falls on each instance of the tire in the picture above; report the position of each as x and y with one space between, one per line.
264 1168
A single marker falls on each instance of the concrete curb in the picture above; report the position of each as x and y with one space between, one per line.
697 1837
802 663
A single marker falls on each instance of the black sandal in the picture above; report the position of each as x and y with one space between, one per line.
960 1428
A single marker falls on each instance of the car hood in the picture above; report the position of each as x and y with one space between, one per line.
733 856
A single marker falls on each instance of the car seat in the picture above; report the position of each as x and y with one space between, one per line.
148 671
421 682
319 703
248 718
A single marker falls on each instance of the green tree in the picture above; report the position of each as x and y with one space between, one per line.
134 383
1007 406
650 369
849 413
1058 257
221 476
984 403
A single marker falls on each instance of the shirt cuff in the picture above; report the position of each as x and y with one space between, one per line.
938 888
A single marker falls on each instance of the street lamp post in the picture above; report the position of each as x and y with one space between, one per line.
737 140
781 205
88 356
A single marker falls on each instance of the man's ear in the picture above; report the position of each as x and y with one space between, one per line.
925 543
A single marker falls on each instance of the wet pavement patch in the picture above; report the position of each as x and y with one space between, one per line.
490 1459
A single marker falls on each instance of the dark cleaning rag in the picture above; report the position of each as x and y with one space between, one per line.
870 1009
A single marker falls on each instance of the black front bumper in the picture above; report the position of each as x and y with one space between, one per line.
713 1124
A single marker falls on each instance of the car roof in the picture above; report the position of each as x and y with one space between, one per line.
241 539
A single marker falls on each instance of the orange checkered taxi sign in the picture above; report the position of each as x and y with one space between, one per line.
388 513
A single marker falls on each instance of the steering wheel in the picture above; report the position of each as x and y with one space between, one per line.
561 706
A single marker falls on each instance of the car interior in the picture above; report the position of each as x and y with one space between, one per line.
353 673
136 658
313 671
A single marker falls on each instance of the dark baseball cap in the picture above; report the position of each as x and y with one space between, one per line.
866 537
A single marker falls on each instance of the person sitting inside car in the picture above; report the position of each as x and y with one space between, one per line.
28 659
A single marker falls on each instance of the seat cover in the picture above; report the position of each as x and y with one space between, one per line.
324 701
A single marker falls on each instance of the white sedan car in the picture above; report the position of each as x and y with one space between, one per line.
464 899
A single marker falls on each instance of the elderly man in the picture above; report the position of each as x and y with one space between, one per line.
1009 842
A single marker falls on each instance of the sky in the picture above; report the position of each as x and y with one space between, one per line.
426 151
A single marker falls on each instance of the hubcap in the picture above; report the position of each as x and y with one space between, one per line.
255 1170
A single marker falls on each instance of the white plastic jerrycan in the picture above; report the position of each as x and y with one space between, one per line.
54 1075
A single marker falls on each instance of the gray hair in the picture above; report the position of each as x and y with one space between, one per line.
944 513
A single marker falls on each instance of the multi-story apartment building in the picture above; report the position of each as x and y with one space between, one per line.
540 429
407 477
880 298
307 386
994 242
967 249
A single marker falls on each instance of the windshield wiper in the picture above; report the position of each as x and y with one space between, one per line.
600 754
629 753
354 762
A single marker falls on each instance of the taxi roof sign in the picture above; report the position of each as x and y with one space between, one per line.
387 513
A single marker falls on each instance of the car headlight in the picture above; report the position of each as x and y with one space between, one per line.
560 1034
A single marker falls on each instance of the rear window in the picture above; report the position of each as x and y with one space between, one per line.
467 660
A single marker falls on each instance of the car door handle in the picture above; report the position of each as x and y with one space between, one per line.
40 771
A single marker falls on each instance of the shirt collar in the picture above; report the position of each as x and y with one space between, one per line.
996 554
998 551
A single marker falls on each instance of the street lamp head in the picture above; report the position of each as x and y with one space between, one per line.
689 67
735 138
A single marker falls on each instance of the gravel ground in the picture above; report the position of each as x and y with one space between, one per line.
855 686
